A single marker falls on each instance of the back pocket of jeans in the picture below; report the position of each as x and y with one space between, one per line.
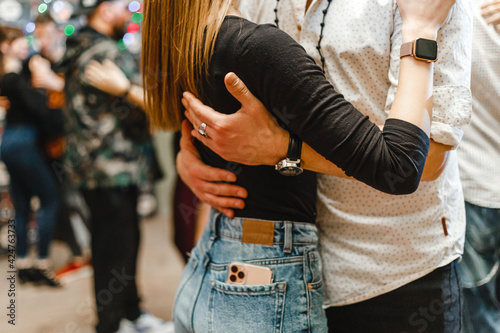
246 308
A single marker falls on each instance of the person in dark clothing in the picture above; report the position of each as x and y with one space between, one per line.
201 42
29 171
104 160
48 39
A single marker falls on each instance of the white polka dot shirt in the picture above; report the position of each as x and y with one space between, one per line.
479 151
372 242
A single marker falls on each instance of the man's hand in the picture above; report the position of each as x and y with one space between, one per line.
206 182
107 77
42 76
250 136
491 13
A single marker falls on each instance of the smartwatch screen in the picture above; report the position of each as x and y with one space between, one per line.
426 49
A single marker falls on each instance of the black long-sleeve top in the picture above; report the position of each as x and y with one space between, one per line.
279 72
27 106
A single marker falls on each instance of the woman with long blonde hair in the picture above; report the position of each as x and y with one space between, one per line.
260 271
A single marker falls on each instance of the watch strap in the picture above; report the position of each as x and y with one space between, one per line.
407 49
294 147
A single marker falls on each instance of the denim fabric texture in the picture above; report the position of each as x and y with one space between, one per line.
479 270
30 176
291 303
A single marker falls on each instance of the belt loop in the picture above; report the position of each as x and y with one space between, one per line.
214 219
287 247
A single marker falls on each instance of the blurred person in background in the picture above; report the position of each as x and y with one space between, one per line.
189 213
42 71
479 160
110 79
26 162
105 160
49 38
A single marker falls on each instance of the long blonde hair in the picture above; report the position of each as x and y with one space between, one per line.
178 42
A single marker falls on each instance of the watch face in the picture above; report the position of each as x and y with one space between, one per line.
426 49
290 171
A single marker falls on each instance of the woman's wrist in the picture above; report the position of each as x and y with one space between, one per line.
411 32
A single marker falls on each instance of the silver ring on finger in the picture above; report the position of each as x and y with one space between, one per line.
203 130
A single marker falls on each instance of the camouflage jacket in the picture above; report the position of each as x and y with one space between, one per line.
99 153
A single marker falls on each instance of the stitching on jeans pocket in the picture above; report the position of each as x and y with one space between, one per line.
261 262
248 308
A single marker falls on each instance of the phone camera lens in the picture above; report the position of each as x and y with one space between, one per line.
234 269
241 275
232 278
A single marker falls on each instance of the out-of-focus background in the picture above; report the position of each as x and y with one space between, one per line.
71 308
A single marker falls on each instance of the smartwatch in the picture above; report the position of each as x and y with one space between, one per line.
290 166
420 49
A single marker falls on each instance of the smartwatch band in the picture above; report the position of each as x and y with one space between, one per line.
406 50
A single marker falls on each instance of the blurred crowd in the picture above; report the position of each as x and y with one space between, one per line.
77 156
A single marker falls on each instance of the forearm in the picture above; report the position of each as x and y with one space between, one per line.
413 101
436 161
58 82
313 161
136 96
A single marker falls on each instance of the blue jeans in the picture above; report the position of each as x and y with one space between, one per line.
291 303
30 176
479 270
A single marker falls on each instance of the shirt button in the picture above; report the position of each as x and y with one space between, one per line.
299 27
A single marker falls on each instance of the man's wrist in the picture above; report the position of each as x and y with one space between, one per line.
281 147
125 94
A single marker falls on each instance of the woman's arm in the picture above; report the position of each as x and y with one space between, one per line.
18 91
288 82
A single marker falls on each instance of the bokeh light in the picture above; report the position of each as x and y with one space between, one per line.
30 27
137 17
134 6
30 40
57 6
133 28
128 39
42 8
121 45
69 30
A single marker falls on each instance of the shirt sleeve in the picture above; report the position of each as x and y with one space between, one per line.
452 98
257 11
290 84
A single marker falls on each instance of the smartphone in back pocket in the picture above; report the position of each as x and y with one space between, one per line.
247 274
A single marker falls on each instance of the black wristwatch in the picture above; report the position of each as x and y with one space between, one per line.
290 166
